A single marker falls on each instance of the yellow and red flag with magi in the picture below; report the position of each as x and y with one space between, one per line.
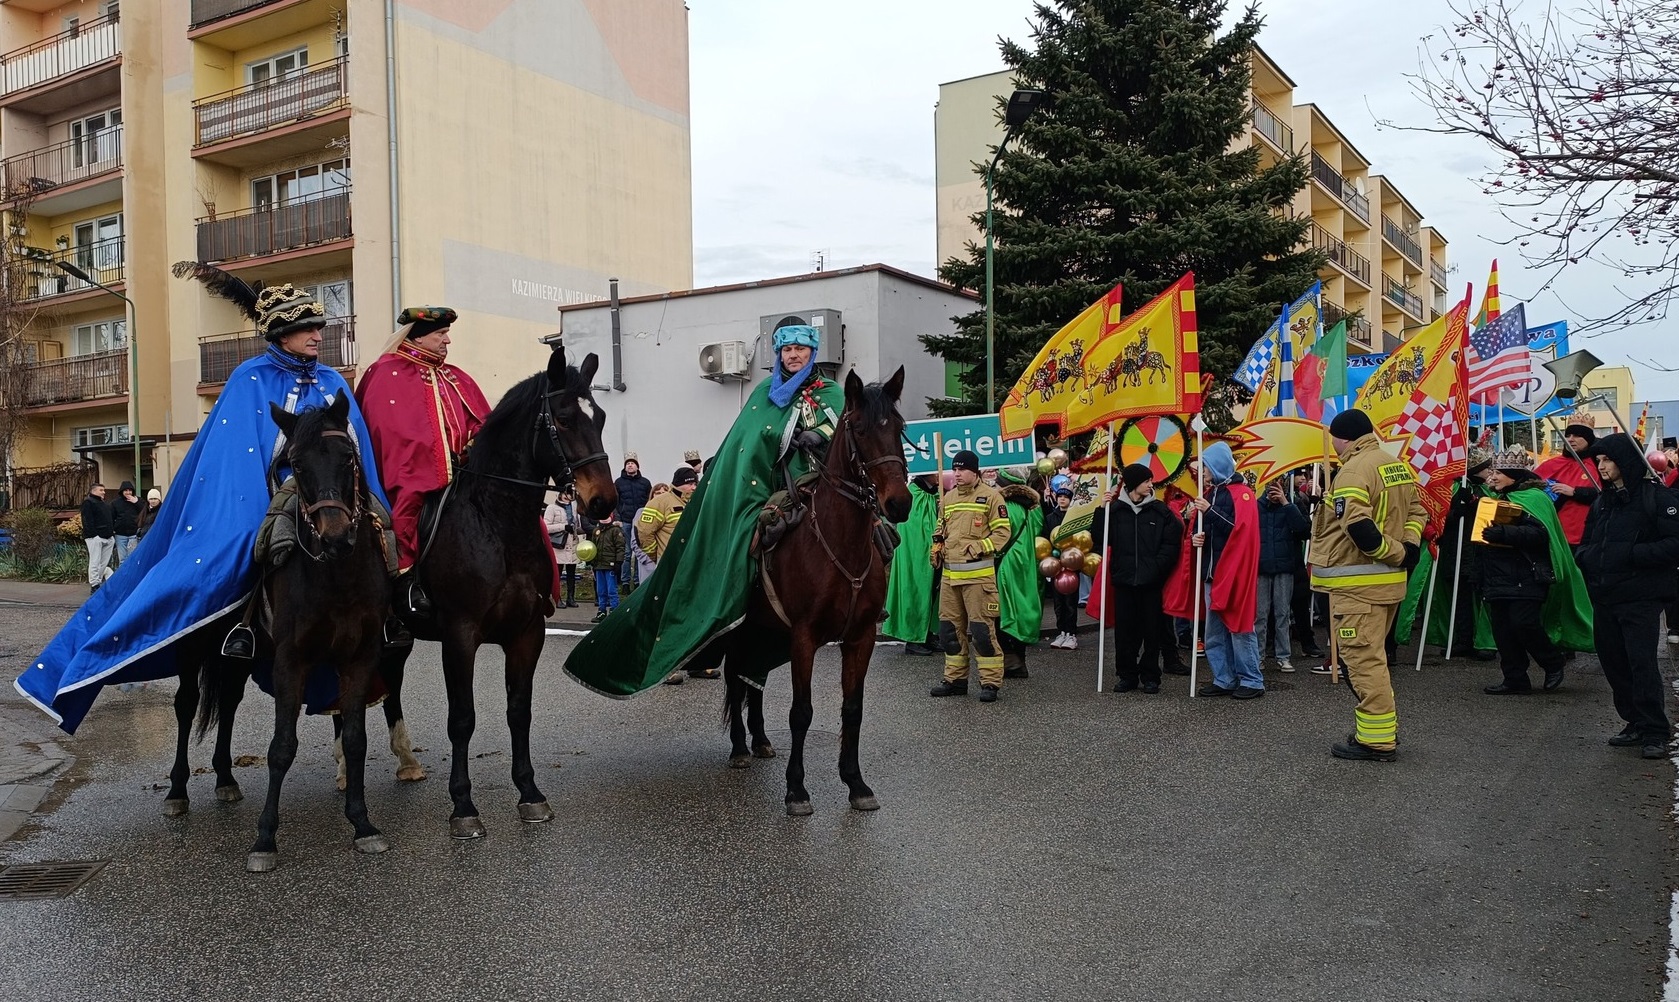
1048 385
1150 363
1419 402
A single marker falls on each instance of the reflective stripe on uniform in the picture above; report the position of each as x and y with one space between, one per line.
1350 492
1376 728
966 506
1413 527
974 574
985 544
1357 575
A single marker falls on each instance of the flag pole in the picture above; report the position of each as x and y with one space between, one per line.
1198 585
1427 606
1107 611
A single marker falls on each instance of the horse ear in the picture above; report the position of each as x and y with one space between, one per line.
557 365
282 417
853 386
590 366
895 386
339 409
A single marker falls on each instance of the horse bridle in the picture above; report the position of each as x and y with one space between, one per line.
861 490
307 510
545 423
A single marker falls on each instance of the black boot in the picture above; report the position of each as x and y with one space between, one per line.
948 688
396 634
240 643
418 603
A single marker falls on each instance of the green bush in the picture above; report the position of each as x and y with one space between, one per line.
33 537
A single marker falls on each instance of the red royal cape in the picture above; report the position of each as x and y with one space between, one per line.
421 412
1235 584
1565 469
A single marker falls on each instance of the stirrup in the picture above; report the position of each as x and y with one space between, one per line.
418 602
397 634
240 643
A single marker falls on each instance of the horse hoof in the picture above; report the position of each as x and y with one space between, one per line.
868 803
537 813
764 751
411 773
466 829
262 862
740 761
174 808
799 808
230 794
342 783
372 845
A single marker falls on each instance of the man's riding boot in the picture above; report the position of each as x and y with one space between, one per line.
240 643
397 634
418 603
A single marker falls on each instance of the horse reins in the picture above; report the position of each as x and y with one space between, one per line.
566 475
306 510
861 492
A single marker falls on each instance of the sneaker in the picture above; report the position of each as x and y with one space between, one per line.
918 650
1246 692
1056 643
988 694
1072 643
948 688
1653 748
598 616
1213 690
1312 651
1201 648
675 678
1628 738
1506 689
1124 685
1286 667
1151 688
1323 669
1174 668
1355 751
1672 638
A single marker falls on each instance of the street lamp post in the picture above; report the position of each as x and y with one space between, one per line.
1022 104
130 314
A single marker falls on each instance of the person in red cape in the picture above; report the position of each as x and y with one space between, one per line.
421 414
1229 537
1573 481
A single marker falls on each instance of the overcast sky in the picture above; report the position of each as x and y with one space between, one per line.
813 131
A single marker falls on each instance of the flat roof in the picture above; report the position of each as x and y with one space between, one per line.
766 283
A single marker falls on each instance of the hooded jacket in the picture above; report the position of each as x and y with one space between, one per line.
1282 528
125 514
1631 543
1142 542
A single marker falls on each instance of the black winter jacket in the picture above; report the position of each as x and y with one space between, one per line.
633 493
1630 548
1517 564
1145 542
96 518
125 516
1282 529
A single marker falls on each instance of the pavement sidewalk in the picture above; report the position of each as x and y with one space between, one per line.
30 753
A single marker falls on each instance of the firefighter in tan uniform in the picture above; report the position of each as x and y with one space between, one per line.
657 522
1363 541
973 526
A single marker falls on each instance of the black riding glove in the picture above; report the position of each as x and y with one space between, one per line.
1413 553
808 440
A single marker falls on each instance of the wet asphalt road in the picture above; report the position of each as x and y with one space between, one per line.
1054 845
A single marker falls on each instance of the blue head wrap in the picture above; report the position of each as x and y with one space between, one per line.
1221 465
783 387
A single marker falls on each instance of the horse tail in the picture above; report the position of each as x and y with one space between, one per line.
212 679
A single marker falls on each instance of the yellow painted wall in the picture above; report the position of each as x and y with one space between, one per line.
965 129
219 70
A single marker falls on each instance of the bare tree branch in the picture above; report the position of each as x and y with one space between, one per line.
1579 101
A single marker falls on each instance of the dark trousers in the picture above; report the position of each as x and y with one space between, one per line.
1066 613
1626 637
1014 651
1166 638
1672 618
1300 609
1518 627
1137 633
568 573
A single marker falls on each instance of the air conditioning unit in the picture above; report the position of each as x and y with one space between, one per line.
724 361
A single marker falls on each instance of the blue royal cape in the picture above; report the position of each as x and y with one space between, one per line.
195 562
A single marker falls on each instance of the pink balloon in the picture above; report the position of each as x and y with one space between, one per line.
949 480
1067 583
1658 460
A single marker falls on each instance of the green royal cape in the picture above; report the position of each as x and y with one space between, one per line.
1017 571
701 586
1567 610
911 606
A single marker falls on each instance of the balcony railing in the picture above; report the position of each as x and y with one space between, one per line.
40 171
272 229
1403 242
1340 187
1351 261
1272 128
1404 298
220 354
62 54
101 261
78 378
1437 273
263 106
205 11
1358 328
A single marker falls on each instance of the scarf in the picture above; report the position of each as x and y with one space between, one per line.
303 368
783 388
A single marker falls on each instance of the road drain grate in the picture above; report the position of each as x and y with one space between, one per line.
27 881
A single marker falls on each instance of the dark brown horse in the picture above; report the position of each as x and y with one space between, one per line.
829 579
489 568
329 602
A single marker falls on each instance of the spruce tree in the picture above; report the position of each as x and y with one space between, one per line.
1129 176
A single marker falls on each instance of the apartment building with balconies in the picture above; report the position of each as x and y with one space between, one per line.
1383 264
502 157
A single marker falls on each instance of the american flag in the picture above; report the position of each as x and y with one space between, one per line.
1498 354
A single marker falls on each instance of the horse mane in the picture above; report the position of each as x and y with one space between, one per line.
310 423
513 413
